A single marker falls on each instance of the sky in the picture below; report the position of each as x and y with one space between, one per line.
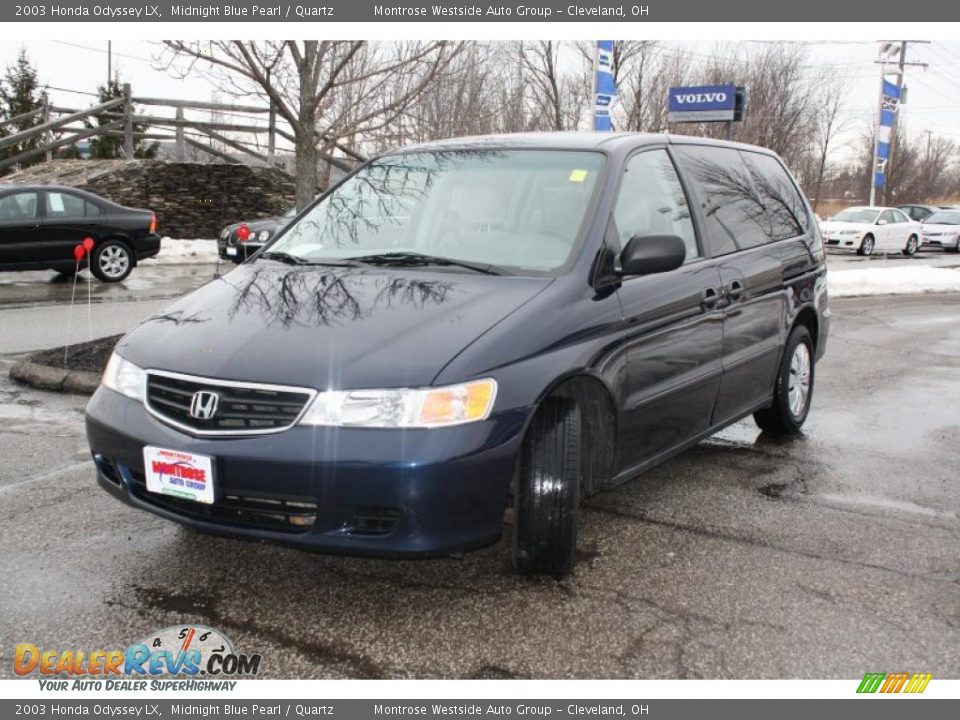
70 67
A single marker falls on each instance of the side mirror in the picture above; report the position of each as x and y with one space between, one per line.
648 254
881 222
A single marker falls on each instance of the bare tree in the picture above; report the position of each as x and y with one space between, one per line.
558 97
327 90
828 124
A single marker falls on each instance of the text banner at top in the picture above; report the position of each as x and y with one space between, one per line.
506 11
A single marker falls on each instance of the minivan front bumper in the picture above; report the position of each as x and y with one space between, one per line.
388 493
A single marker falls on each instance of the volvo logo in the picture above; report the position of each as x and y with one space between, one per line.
204 404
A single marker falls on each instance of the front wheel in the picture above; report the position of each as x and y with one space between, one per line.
911 247
793 389
111 261
547 494
867 246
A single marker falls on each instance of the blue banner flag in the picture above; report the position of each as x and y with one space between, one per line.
889 104
606 87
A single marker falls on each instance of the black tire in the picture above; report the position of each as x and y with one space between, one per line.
780 418
867 246
913 243
547 495
111 261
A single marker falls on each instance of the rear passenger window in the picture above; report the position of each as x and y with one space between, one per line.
64 205
734 213
786 211
652 201
92 210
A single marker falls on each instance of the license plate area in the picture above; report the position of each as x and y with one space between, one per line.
184 475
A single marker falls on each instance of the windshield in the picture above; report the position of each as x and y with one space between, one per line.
951 217
521 210
856 216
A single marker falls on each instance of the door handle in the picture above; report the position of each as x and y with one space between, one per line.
709 298
735 290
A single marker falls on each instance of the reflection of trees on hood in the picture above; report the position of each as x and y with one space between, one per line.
304 298
383 193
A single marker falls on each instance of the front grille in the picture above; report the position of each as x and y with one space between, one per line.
277 513
241 408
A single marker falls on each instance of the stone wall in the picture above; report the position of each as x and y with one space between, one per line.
191 200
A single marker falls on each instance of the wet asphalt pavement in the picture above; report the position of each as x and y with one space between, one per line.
825 557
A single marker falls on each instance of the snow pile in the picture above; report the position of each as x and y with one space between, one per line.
185 252
893 281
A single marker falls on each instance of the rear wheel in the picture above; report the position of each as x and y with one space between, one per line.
111 261
911 247
867 246
793 389
547 495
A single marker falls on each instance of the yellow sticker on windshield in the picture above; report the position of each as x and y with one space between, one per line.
578 175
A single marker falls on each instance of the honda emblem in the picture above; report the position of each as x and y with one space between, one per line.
204 404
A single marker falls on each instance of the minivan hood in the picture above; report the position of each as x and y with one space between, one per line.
326 327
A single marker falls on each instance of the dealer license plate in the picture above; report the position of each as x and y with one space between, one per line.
181 474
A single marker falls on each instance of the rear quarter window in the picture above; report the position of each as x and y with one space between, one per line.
786 212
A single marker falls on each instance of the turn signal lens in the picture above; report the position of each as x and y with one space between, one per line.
153 223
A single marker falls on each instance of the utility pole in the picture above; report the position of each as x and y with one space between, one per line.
887 50
109 62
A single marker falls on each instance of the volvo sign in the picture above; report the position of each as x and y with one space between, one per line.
703 103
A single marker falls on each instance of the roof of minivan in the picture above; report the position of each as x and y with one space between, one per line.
569 141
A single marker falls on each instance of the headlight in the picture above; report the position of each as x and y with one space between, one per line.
403 408
263 235
124 377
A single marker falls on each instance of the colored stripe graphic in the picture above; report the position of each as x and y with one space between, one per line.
894 682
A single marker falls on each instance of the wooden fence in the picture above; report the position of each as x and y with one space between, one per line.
59 128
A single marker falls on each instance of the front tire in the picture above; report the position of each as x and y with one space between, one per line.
547 495
793 389
912 245
111 261
867 246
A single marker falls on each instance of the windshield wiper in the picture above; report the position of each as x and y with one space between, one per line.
290 259
413 259
283 257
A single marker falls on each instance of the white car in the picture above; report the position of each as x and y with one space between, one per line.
942 230
872 229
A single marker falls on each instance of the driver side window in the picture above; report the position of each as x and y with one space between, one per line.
889 217
652 202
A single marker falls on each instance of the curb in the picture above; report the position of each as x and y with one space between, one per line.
45 377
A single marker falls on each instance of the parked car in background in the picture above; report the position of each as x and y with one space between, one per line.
872 229
231 247
41 224
918 212
942 230
468 326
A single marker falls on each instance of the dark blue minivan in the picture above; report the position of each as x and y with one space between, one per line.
468 327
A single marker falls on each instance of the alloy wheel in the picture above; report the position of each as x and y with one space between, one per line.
798 388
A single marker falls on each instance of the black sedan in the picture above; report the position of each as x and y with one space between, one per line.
237 244
41 225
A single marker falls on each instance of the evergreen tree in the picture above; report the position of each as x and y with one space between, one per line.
108 147
20 93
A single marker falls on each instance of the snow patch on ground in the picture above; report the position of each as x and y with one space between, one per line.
185 252
917 280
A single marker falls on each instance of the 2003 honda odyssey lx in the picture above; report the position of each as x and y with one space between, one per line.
471 325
